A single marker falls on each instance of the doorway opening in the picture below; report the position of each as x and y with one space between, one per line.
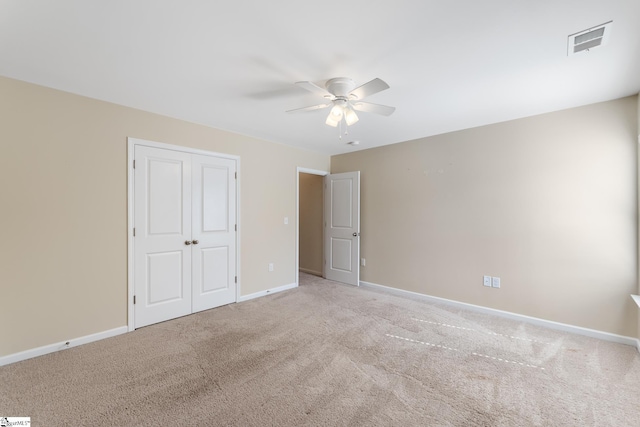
310 222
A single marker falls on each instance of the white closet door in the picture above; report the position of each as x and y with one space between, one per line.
214 234
163 226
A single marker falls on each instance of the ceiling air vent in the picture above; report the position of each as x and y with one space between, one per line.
588 39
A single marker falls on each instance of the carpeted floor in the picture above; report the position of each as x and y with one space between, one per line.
327 354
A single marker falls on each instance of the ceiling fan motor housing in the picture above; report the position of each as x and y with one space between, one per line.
340 86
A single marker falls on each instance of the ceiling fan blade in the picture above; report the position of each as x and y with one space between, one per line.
311 108
368 107
314 88
369 88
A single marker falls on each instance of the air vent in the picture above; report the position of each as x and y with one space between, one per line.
589 39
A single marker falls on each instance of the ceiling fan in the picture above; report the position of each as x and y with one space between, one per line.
344 97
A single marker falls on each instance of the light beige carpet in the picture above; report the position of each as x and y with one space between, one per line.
329 354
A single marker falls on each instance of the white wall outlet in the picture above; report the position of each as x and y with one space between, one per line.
270 266
486 281
286 220
363 262
495 282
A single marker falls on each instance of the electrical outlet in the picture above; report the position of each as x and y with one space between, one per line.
286 220
486 281
270 266
495 282
363 262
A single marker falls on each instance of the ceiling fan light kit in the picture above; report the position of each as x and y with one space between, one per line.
350 116
333 120
345 99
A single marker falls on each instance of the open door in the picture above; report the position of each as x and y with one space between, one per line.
342 227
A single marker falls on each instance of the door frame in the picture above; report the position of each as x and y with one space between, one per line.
300 170
131 144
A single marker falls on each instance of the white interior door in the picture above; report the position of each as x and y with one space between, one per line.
162 224
185 233
214 235
342 227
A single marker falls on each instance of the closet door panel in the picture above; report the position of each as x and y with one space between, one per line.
162 271
214 229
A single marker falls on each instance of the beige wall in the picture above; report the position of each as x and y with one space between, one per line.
63 174
311 208
547 203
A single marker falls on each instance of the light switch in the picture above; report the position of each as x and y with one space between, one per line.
495 282
286 220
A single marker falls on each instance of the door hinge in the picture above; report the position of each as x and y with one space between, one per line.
134 164
134 299
236 227
236 279
236 175
134 232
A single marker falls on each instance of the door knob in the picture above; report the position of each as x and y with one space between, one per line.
356 234
195 242
187 242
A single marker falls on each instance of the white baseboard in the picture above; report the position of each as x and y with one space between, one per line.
606 336
74 342
308 271
267 292
63 345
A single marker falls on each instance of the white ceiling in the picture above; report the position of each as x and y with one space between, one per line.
232 65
